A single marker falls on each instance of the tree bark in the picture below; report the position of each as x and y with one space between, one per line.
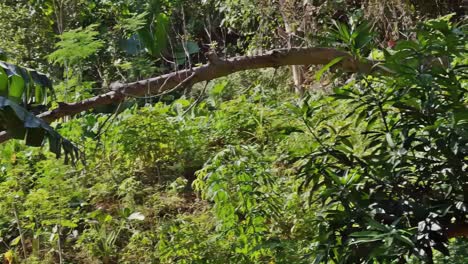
296 70
214 69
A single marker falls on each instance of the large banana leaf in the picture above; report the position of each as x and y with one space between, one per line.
23 85
21 88
154 36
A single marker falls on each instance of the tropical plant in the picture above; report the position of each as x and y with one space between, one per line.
20 89
394 185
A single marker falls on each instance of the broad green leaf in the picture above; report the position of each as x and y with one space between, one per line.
319 74
405 240
406 44
13 123
147 39
20 124
155 41
41 86
15 241
39 94
16 88
366 234
35 137
192 47
388 137
3 82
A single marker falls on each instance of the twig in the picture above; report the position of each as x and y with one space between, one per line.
20 230
197 101
100 129
184 82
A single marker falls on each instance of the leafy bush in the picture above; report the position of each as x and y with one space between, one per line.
391 179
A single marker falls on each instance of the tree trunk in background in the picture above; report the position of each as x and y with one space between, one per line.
296 70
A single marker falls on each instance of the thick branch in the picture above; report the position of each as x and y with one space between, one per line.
214 69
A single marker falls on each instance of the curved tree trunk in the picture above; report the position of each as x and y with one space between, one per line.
214 69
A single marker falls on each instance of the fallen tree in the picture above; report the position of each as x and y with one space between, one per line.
214 69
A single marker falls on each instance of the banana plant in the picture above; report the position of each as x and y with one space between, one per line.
22 89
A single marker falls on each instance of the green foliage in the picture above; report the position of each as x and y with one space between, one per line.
73 50
243 201
76 45
458 252
390 185
254 20
43 213
132 24
357 38
24 85
3 55
374 172
21 124
26 35
30 88
155 40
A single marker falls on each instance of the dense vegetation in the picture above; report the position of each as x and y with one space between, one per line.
300 164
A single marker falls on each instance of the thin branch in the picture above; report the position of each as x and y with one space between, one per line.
198 100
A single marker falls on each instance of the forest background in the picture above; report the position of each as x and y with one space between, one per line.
309 163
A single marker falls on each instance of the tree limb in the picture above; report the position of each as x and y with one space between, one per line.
214 69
